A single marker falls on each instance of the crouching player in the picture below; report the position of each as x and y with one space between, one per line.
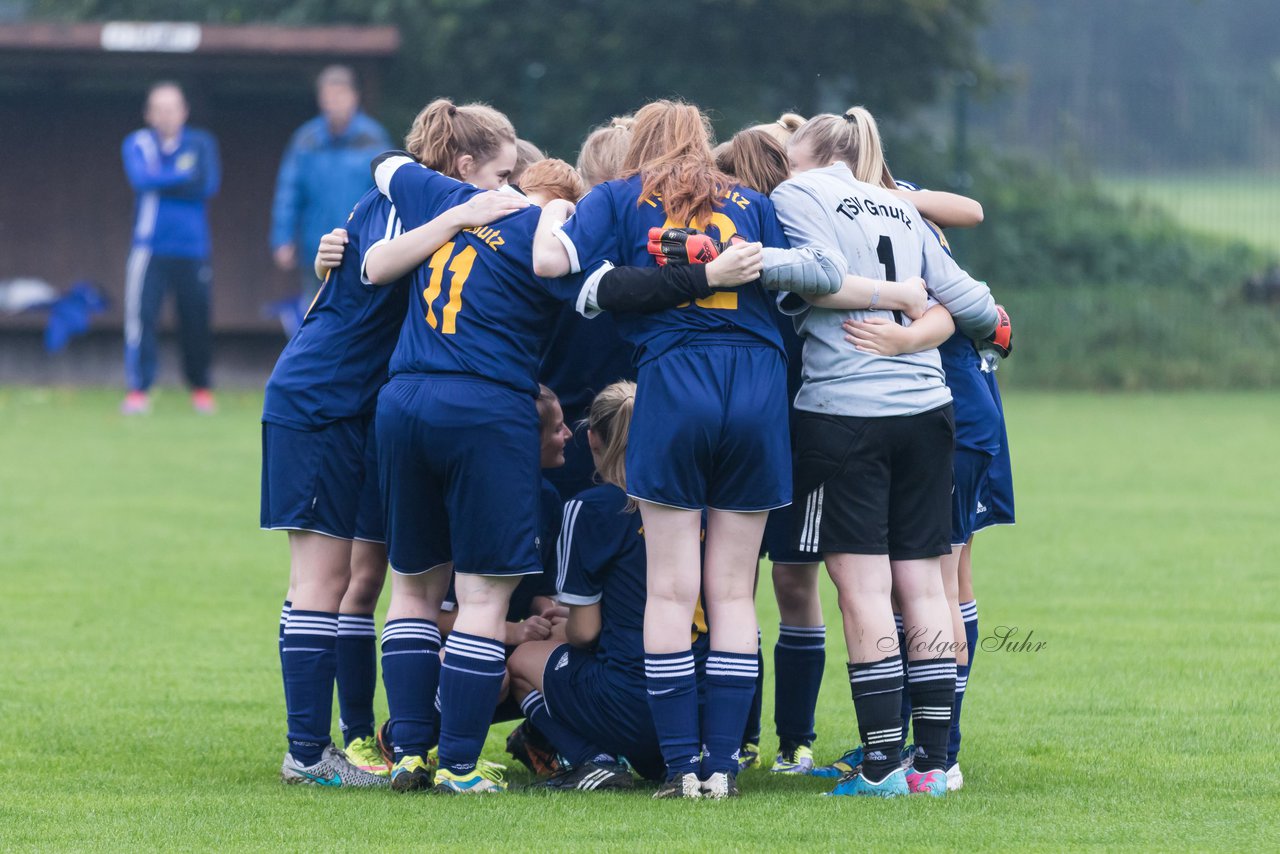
588 696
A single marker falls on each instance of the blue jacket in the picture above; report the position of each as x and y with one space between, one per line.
172 190
321 179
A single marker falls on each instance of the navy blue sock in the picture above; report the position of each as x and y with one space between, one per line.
308 659
673 702
751 733
932 684
410 674
357 675
798 661
731 682
875 686
905 712
470 683
565 740
969 611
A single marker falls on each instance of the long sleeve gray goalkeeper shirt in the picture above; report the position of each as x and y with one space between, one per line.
870 232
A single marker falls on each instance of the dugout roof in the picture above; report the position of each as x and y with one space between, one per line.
70 93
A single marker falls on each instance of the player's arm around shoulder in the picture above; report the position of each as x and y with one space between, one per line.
551 258
389 260
969 301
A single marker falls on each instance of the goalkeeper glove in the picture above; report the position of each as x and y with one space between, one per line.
999 343
685 246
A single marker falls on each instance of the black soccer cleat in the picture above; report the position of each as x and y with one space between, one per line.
589 777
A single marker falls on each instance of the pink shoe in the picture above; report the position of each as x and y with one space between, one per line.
202 401
136 403
927 783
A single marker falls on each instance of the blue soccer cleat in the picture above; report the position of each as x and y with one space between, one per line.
857 785
850 763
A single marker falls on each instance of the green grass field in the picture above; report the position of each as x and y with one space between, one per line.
140 691
1240 206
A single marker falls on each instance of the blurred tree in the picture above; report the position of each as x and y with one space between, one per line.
1150 84
558 68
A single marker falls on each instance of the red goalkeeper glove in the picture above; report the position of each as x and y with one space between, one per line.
685 246
1002 339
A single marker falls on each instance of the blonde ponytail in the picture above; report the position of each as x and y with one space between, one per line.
610 420
853 138
443 132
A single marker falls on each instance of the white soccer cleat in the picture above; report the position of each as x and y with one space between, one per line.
955 779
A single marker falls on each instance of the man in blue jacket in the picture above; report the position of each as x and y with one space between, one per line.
324 173
174 171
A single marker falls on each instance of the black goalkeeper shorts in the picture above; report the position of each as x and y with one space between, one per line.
873 486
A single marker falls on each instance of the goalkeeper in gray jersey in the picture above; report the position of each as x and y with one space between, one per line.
873 441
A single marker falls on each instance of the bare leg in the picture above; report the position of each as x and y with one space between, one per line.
320 569
733 544
951 588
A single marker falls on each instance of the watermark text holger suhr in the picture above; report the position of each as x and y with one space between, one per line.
1001 639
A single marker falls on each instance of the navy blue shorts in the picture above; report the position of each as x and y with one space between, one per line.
779 545
312 479
458 468
371 525
969 485
997 500
710 429
610 711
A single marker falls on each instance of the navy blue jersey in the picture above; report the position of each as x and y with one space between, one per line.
334 365
477 307
582 358
979 421
612 224
602 559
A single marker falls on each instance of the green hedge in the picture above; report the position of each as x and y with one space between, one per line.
1129 337
1108 294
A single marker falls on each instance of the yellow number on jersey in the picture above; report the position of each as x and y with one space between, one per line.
724 300
460 268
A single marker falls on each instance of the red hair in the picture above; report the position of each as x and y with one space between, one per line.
671 151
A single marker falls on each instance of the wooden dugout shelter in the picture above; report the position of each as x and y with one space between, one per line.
70 93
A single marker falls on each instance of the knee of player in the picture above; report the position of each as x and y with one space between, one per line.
793 592
363 591
674 591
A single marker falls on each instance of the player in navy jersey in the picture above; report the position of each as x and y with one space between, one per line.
319 479
587 696
981 440
583 356
706 433
458 446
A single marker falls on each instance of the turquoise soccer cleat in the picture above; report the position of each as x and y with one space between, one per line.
857 785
